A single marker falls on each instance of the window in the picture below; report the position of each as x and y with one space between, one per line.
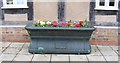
107 4
14 4
102 3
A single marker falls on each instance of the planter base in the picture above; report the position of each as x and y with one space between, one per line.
59 45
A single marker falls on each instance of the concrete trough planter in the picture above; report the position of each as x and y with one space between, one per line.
59 39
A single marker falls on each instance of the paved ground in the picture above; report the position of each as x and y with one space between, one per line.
19 52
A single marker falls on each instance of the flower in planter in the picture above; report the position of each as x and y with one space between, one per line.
63 24
48 23
77 25
42 23
73 24
55 24
81 22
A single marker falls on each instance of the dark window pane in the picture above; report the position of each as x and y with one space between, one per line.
112 3
9 2
102 3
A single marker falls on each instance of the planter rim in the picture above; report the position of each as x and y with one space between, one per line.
56 28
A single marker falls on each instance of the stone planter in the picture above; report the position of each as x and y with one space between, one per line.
59 40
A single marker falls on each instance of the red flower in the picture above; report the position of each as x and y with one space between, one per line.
63 24
81 22
77 25
54 24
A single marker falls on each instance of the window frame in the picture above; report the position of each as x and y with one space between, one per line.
106 7
14 5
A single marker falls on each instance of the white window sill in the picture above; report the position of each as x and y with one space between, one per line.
107 27
106 9
15 7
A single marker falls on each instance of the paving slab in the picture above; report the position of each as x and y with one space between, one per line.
95 58
41 57
0 51
0 61
59 58
95 51
12 50
7 57
26 45
24 51
78 59
21 57
0 45
16 45
5 44
106 50
4 48
115 48
111 58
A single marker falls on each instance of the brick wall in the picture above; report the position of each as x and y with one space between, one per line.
105 36
99 36
14 35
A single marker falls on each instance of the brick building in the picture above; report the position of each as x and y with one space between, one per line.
15 14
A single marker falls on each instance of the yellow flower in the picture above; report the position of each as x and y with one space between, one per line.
72 25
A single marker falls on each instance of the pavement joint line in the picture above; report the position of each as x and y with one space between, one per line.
115 51
87 59
50 58
101 53
6 48
18 52
69 57
32 58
